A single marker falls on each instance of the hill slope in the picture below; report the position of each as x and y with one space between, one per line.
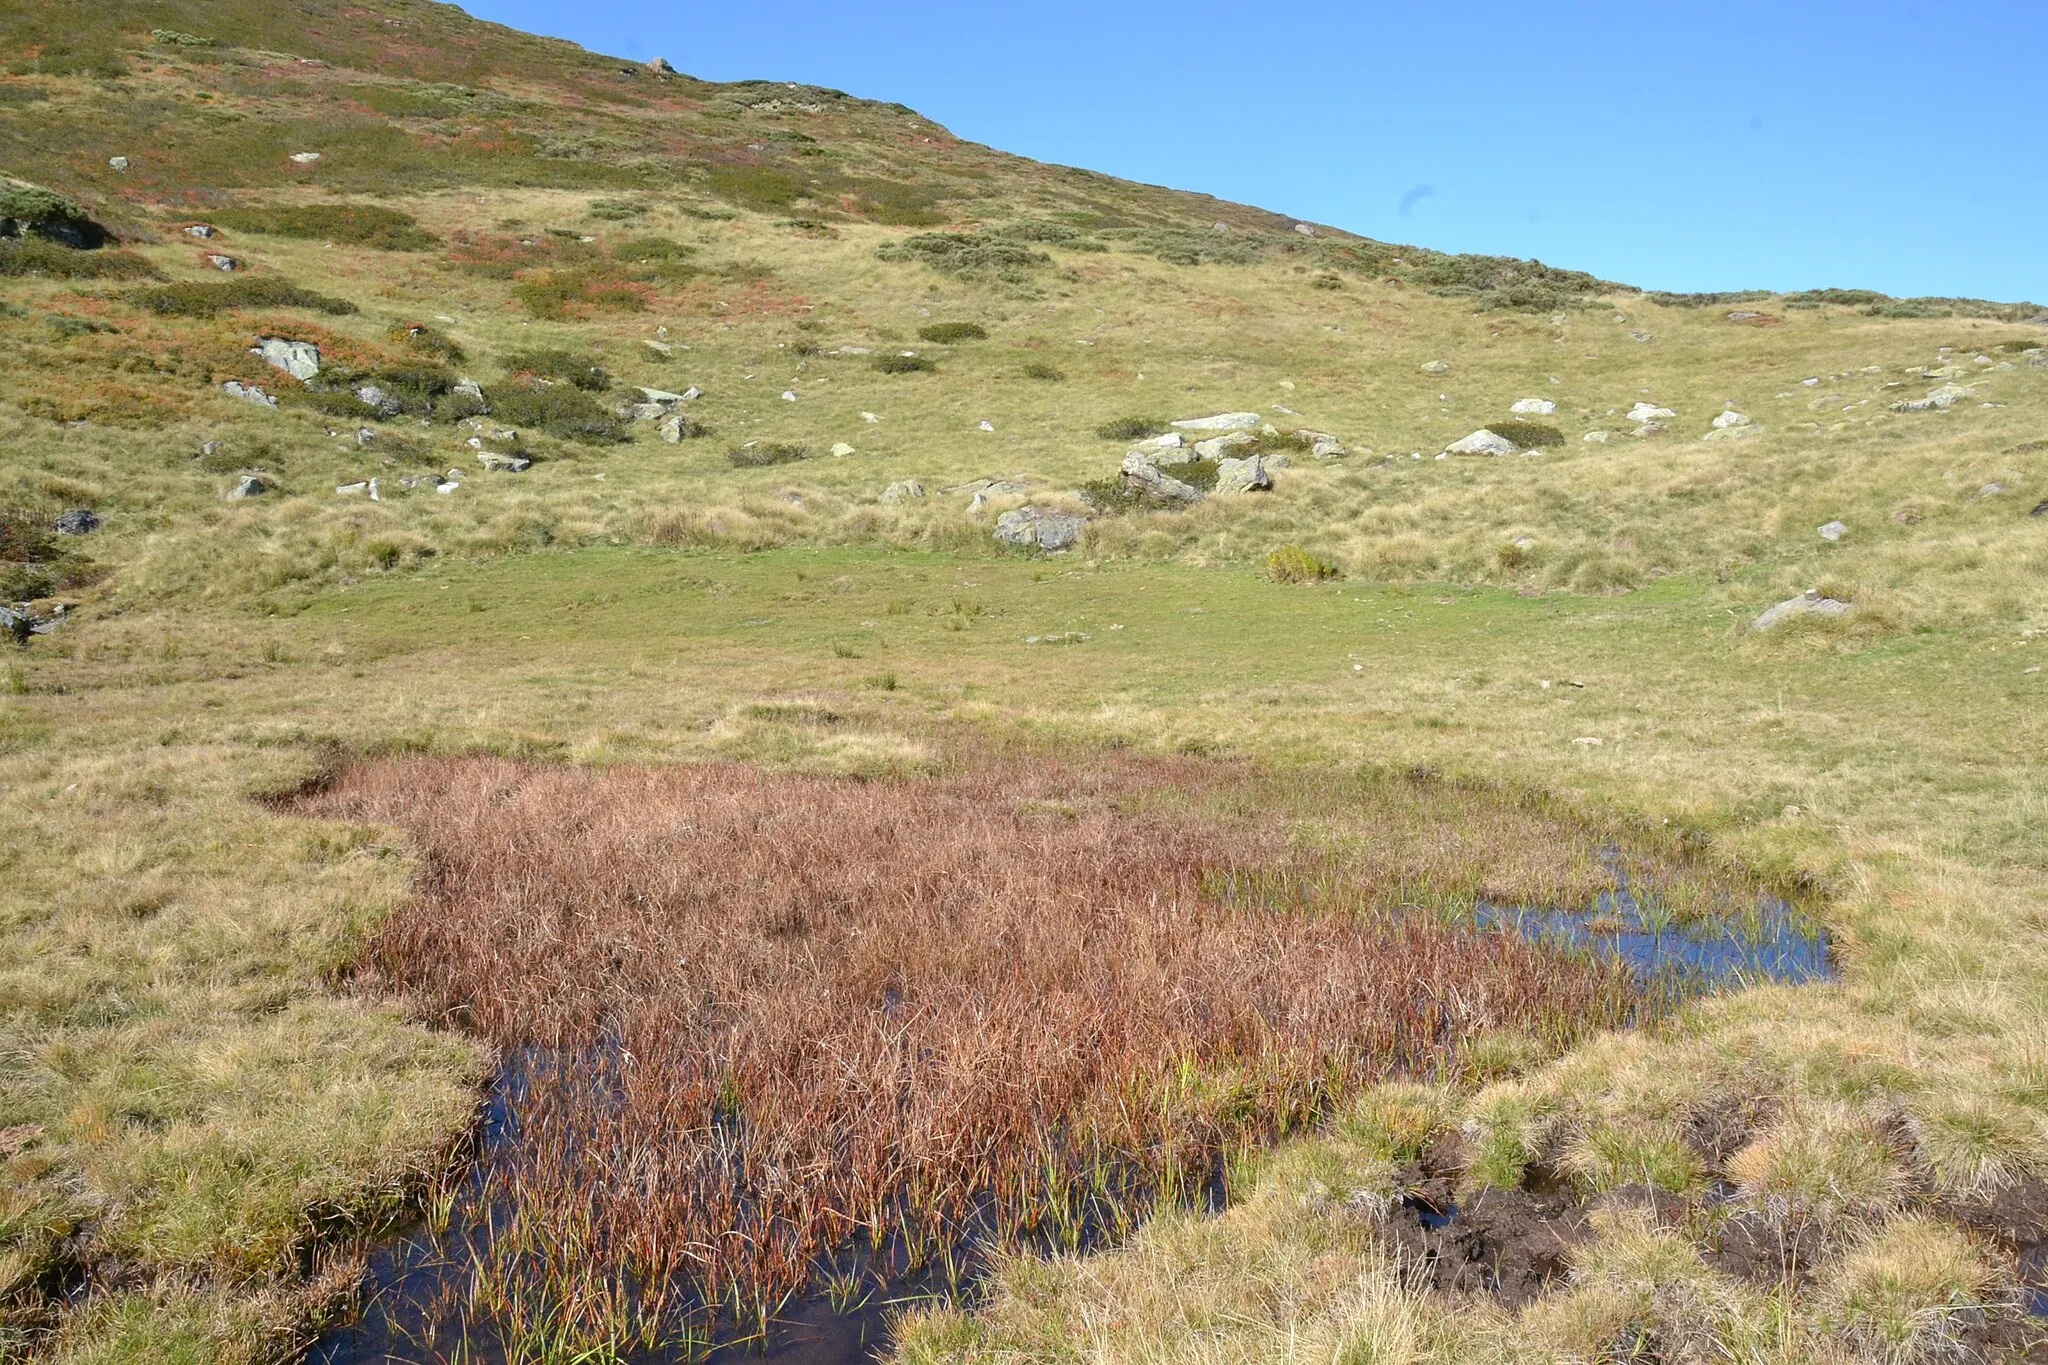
354 399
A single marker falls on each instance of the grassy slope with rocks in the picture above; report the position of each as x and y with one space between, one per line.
192 1100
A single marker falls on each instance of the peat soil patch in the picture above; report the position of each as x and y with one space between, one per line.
781 1052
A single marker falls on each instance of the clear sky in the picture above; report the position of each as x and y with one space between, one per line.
1670 144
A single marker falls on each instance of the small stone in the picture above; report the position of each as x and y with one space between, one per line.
1641 336
370 396
365 436
661 396
870 418
248 486
359 486
1172 440
498 462
903 490
856 350
1731 419
1834 531
1651 429
1305 229
1532 407
1732 433
1242 476
1482 442
1598 438
679 428
200 230
1222 421
661 348
119 163
223 263
841 449
1648 412
789 395
986 426
660 67
305 158
78 522
470 389
1808 603
1436 367
645 412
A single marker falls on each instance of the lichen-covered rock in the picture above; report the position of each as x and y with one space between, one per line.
1242 476
903 490
1222 421
1808 603
1142 476
299 359
1040 527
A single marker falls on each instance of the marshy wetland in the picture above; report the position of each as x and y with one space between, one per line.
781 1054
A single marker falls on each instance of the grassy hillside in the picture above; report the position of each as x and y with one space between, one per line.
199 1108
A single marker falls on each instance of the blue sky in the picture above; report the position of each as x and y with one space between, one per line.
1687 146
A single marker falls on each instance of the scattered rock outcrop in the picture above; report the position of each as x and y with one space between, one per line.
248 486
1941 400
1242 476
1532 407
248 393
1144 477
78 522
903 490
1040 527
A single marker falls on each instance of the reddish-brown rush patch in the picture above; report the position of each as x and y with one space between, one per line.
754 1017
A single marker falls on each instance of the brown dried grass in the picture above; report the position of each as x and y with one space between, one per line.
756 1017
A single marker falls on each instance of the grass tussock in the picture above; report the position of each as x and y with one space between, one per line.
807 1012
365 225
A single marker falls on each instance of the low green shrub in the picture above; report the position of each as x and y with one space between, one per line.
761 454
563 366
967 255
905 364
1132 428
947 333
616 210
1038 369
652 248
185 299
1292 564
28 210
1050 234
425 340
369 225
561 410
1528 435
1720 300
553 293
21 256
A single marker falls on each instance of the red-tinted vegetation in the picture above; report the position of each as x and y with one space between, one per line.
758 1017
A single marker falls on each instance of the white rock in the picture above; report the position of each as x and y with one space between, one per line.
789 395
1598 438
1941 400
119 163
1305 229
987 426
1222 421
305 158
903 490
1482 442
1834 531
1172 440
659 396
1436 367
870 418
1042 527
1808 603
1648 412
1539 407
358 487
1731 419
841 449
299 359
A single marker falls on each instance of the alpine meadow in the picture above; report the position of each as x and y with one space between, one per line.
647 720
